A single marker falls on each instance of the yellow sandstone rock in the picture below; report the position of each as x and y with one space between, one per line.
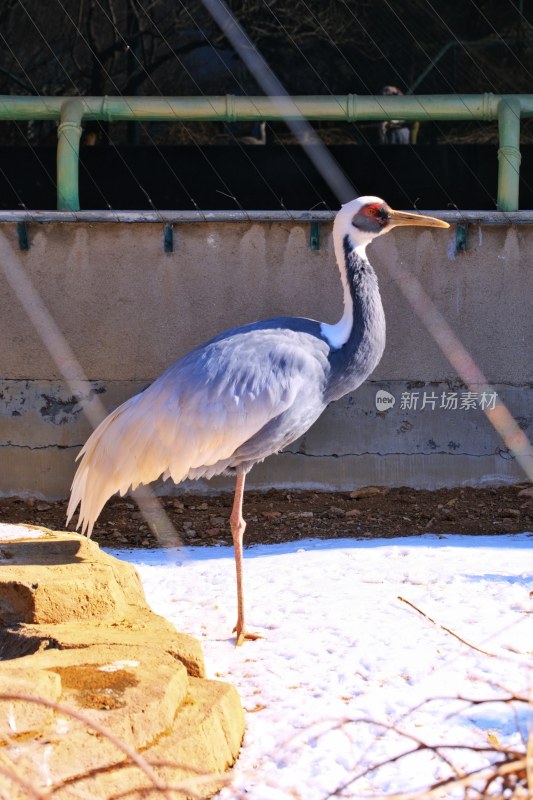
77 632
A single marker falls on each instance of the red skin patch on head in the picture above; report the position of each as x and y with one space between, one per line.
372 210
377 212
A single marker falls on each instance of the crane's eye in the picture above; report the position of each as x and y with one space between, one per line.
377 212
374 210
372 217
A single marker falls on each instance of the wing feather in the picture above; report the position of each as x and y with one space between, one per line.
196 415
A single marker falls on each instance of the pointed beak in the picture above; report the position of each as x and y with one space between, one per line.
404 218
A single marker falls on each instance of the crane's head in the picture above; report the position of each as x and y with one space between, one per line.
366 217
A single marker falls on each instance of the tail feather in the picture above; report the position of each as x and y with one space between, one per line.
123 452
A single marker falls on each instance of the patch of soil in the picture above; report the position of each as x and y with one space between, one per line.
281 515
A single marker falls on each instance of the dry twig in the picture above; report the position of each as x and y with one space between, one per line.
444 628
187 787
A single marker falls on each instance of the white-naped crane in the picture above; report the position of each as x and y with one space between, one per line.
247 393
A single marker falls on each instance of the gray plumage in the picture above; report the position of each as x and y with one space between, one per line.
246 394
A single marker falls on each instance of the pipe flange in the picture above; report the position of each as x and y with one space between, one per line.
231 108
510 153
68 124
489 106
351 107
106 113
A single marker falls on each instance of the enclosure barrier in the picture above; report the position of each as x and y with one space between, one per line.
72 111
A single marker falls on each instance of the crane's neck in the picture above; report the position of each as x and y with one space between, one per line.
357 341
338 334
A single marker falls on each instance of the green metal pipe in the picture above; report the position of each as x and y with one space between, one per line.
71 111
229 108
15 107
346 108
509 154
68 151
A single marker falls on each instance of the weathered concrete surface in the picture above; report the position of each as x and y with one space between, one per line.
116 662
128 310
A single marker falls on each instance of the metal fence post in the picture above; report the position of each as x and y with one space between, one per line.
68 150
509 157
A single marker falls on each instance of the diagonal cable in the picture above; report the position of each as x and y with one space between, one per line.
489 82
458 356
32 149
237 82
438 127
321 80
272 86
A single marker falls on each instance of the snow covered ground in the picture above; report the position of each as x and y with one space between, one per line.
344 658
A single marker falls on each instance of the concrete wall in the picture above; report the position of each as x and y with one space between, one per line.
127 309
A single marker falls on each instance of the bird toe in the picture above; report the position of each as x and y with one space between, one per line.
243 634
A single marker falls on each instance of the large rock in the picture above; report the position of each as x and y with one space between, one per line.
89 674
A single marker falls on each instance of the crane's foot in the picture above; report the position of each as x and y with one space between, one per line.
243 634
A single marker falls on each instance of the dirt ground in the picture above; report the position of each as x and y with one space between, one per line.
278 516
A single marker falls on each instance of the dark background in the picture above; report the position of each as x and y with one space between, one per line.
173 47
220 177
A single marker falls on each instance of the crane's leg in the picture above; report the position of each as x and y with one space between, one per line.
238 526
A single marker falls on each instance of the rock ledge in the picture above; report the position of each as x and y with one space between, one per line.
76 630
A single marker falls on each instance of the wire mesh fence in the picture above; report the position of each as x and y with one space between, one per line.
129 48
132 48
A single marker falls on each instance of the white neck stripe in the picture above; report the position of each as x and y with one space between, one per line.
338 334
